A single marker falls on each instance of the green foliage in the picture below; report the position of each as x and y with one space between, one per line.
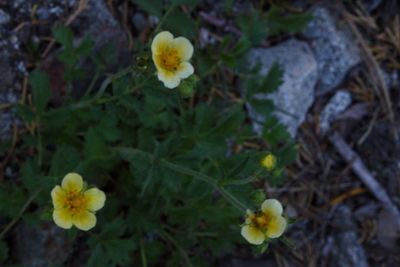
174 163
3 251
41 91
109 247
277 22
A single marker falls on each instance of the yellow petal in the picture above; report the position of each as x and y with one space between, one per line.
170 80
84 221
272 207
160 42
72 182
185 70
58 197
62 218
253 235
276 227
95 199
184 47
269 162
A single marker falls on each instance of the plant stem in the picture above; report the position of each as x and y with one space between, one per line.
143 253
39 142
162 20
183 170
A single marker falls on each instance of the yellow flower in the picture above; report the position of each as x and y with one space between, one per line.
269 223
171 56
269 161
73 205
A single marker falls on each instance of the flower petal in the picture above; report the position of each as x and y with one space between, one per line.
170 80
185 70
184 47
276 227
161 41
95 199
84 221
58 197
72 182
62 218
253 235
272 207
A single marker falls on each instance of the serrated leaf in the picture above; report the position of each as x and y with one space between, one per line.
65 160
94 145
253 26
153 7
41 91
229 123
3 251
64 36
263 107
180 24
272 80
277 22
85 47
274 132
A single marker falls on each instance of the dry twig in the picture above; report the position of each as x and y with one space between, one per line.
365 175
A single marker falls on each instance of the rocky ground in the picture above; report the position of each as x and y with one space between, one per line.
340 90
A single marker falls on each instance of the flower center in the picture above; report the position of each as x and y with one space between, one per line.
75 202
169 59
261 221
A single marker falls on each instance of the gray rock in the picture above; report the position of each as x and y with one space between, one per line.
371 5
10 75
43 245
140 21
4 17
334 49
346 251
336 105
296 94
98 22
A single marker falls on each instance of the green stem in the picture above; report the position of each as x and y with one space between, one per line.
143 253
197 175
162 20
21 212
39 142
92 83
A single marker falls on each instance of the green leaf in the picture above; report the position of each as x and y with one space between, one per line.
12 198
64 36
254 26
110 246
277 22
191 3
274 132
64 160
180 24
3 251
153 7
85 47
272 80
94 145
230 122
25 113
41 90
263 107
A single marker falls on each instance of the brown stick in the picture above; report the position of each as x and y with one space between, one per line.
365 175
